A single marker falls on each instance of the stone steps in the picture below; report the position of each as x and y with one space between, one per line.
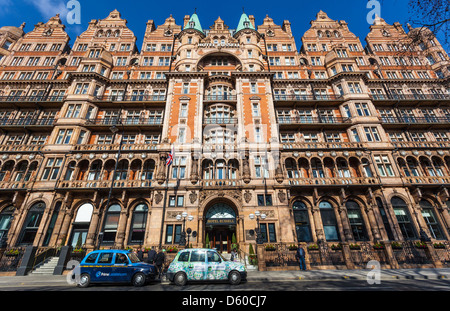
46 268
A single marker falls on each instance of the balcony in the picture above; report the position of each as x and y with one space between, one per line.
107 122
31 99
115 147
131 98
421 144
21 148
221 98
323 146
427 180
412 121
327 181
314 122
307 98
27 123
14 185
408 99
220 121
97 184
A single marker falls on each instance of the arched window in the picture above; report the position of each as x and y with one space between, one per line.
356 221
138 224
317 169
301 218
32 223
5 172
5 223
221 170
81 225
233 168
122 170
431 220
208 169
291 168
329 221
20 171
148 170
70 170
95 170
111 223
403 218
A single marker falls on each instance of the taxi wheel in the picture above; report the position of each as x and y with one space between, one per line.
139 279
234 278
85 280
180 279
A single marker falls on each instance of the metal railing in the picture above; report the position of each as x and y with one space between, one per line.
132 98
36 98
281 97
381 97
415 120
125 121
313 120
27 122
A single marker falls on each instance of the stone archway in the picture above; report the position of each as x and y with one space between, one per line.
220 225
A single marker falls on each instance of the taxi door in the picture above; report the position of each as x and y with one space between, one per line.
196 269
215 267
103 269
120 271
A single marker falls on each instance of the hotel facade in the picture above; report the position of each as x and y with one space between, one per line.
326 141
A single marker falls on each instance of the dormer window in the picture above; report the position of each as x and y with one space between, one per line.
246 24
191 24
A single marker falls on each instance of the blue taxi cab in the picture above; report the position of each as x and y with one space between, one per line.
114 266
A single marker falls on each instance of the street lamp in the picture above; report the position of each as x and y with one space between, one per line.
258 215
183 217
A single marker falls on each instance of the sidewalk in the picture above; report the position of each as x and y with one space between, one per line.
327 275
261 276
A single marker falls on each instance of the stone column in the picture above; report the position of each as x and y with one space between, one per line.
261 260
92 232
65 227
120 238
319 235
344 223
373 222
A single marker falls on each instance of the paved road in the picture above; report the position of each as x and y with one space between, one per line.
290 285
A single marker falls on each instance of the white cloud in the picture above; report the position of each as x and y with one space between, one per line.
49 8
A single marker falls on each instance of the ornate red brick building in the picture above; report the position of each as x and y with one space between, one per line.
333 140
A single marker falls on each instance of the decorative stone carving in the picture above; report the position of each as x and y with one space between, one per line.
247 196
158 197
281 196
205 194
193 197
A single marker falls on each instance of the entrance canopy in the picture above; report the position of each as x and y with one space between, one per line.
220 214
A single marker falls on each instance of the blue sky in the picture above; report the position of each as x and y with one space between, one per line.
138 12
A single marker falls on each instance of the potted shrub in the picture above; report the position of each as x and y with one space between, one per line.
172 249
336 247
396 245
270 247
354 246
12 252
439 245
252 258
313 247
421 245
292 247
378 246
